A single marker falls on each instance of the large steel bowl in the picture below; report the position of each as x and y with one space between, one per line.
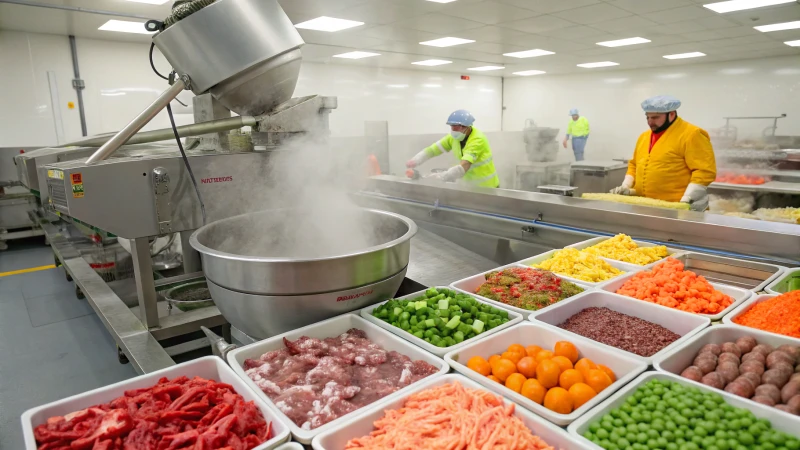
264 287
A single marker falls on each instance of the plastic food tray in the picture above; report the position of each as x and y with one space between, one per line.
625 367
728 319
624 267
778 286
329 328
594 241
682 323
780 420
209 367
471 284
681 357
362 425
739 295
366 313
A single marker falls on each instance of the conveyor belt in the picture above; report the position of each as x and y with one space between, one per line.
779 187
435 261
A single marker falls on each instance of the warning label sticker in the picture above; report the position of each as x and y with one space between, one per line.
77 178
77 191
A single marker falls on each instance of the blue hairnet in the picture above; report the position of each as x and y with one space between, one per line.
573 112
661 104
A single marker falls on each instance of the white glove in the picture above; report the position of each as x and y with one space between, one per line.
418 159
697 196
626 188
450 175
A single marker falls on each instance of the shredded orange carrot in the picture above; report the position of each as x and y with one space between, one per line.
453 418
778 315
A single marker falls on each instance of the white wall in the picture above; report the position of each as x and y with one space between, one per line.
611 99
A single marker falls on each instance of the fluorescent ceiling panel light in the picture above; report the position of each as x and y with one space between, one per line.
779 26
793 43
329 24
356 55
486 68
442 1
739 5
623 42
447 42
527 73
593 65
432 62
529 53
125 26
685 55
150 2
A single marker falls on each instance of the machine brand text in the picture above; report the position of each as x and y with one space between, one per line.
216 180
345 298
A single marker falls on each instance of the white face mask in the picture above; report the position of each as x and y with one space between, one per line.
457 135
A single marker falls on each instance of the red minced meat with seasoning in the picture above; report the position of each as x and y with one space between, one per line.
316 381
620 330
174 414
526 288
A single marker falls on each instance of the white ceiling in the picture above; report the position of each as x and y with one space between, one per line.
570 28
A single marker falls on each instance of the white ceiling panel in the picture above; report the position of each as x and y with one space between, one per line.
646 6
491 34
550 6
497 49
581 33
680 14
490 12
765 16
438 23
593 14
319 7
378 12
688 26
399 34
708 35
538 24
626 25
736 31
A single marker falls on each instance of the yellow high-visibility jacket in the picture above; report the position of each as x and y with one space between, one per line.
477 151
681 156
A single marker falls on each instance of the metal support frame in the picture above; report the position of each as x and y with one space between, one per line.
145 284
191 258
78 83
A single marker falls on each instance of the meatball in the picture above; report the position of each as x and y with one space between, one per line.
791 350
730 347
714 380
727 356
786 408
795 377
740 388
693 373
752 367
764 349
769 390
746 343
794 405
783 368
778 357
763 400
729 371
755 356
710 348
775 377
754 379
789 390
706 362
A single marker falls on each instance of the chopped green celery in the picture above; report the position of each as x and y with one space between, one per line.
502 313
449 341
429 333
405 315
430 323
473 310
469 322
470 335
464 328
446 331
435 338
443 304
432 292
392 318
455 308
413 321
458 336
397 311
428 340
454 322
419 305
422 318
440 297
483 317
477 326
444 314
409 308
419 334
794 284
466 316
441 344
422 311
405 325
437 321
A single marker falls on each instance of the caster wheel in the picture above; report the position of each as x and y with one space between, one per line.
69 278
121 356
79 293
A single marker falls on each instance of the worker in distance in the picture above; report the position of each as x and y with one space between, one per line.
471 149
578 131
674 161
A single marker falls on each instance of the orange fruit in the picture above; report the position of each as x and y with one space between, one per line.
563 362
532 350
480 365
527 367
608 372
494 378
511 356
515 381
547 372
493 358
581 393
544 354
558 400
566 349
533 390
569 377
584 365
502 368
597 380
516 348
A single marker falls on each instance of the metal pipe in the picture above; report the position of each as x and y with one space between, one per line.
77 83
139 121
73 8
197 129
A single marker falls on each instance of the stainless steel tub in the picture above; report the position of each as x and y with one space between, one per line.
263 289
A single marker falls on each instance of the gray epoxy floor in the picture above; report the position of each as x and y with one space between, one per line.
52 345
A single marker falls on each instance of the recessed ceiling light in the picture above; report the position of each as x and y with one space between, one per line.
486 68
442 1
432 62
356 55
527 73
329 24
685 55
397 86
793 43
622 42
447 42
150 2
598 64
529 53
778 26
738 5
125 26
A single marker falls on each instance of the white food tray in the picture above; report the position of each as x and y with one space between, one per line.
682 357
777 286
625 367
781 421
624 267
329 328
438 351
471 284
594 241
738 295
362 425
209 367
728 319
682 323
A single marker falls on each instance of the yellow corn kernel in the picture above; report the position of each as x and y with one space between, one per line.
622 248
579 265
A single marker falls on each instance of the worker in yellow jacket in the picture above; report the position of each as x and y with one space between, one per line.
674 161
471 149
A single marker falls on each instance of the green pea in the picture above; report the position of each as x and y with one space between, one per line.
623 443
602 433
746 438
641 438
